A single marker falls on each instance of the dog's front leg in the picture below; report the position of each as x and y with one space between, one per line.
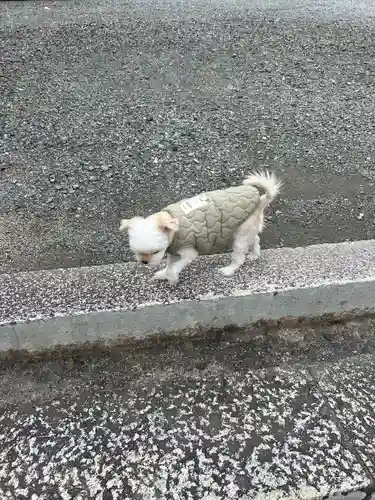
166 272
174 267
187 255
240 247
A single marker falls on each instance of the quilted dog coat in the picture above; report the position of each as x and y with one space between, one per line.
208 221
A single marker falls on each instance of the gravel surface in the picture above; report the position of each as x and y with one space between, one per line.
115 108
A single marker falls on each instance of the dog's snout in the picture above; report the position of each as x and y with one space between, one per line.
144 261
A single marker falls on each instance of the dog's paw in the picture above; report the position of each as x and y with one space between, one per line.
253 257
227 271
160 275
172 281
165 275
172 278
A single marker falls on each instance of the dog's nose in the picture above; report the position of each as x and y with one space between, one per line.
144 261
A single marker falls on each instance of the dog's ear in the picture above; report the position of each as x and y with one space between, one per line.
167 223
126 224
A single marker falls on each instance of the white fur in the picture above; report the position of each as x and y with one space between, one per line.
266 181
145 238
174 267
151 236
247 235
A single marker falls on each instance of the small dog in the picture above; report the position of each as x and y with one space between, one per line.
208 223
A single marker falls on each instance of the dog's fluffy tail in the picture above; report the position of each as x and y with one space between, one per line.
268 183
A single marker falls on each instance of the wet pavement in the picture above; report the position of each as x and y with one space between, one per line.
284 414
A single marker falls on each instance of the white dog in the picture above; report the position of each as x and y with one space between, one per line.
205 224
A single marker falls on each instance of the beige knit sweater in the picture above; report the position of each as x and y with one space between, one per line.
207 222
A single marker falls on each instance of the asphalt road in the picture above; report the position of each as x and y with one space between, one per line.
285 413
112 109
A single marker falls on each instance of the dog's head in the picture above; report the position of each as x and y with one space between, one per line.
149 238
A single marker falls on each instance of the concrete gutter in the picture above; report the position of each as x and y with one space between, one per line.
114 304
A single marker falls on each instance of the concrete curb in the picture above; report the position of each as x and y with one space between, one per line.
119 303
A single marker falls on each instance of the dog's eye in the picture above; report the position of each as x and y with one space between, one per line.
154 253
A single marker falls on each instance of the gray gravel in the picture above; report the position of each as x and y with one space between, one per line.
115 108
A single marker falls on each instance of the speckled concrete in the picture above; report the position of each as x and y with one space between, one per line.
108 303
349 390
112 107
199 440
190 422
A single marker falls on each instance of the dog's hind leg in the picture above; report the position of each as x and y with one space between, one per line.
246 238
255 248
241 246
